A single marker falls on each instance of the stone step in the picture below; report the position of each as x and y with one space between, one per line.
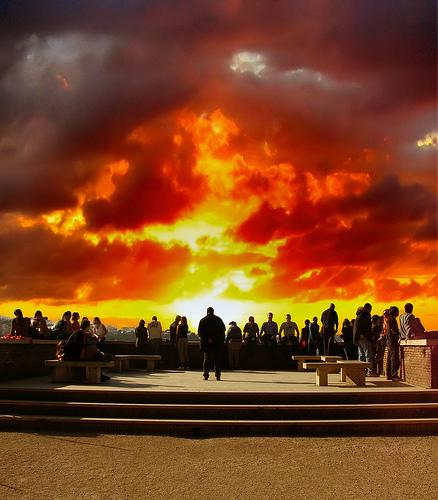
220 411
204 427
107 394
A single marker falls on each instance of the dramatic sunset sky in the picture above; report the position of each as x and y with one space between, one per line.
158 157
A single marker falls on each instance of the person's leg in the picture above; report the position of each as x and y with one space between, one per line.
252 348
374 348
320 348
206 364
217 357
231 356
273 347
369 356
179 347
331 340
237 354
378 356
186 353
395 359
155 346
389 356
360 349
324 344
354 351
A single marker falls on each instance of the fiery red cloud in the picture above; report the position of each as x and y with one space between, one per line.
218 151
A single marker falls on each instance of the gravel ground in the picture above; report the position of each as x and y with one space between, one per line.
49 466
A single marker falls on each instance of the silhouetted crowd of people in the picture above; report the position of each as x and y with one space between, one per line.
366 337
68 324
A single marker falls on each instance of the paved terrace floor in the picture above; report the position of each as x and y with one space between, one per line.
232 381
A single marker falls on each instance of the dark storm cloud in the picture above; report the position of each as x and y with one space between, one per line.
147 194
385 218
70 102
42 265
126 63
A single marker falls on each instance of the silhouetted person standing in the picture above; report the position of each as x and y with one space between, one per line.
390 327
234 341
347 337
211 331
330 323
182 343
141 335
172 329
251 337
314 340
268 335
362 332
155 331
173 339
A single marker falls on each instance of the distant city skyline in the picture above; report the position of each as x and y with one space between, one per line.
162 157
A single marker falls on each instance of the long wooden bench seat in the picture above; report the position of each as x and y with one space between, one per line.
62 370
351 371
302 359
122 361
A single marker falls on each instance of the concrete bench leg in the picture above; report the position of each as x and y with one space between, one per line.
321 377
93 374
357 377
61 374
343 374
150 364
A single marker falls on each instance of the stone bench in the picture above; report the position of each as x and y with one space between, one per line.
62 370
122 361
354 371
302 359
351 371
328 359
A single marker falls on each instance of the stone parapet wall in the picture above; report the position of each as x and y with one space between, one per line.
25 358
419 362
20 359
420 365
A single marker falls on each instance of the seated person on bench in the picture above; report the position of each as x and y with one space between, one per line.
81 346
